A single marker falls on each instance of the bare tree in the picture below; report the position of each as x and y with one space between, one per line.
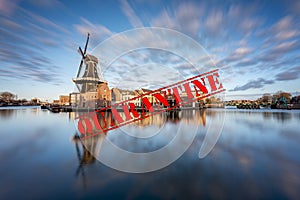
7 96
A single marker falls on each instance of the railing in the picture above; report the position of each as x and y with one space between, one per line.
86 79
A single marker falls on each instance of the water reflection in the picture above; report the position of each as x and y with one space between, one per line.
84 158
256 157
6 113
282 116
278 116
173 117
150 133
196 117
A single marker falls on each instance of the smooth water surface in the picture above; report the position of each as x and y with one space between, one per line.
256 157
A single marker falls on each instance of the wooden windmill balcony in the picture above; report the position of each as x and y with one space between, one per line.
82 80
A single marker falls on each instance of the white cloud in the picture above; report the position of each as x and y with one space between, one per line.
44 21
164 20
188 17
283 30
284 23
8 6
185 18
241 51
129 12
238 54
285 47
249 24
10 24
286 34
46 3
97 31
242 18
214 22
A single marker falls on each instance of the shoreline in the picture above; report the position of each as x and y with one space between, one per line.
70 109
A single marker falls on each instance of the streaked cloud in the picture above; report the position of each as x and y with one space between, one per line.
46 3
25 37
214 22
185 18
130 13
98 32
289 74
258 83
7 7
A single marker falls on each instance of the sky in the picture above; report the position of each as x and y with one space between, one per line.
255 44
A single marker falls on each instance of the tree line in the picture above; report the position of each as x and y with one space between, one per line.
7 98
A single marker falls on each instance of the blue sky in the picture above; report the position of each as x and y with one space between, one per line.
254 43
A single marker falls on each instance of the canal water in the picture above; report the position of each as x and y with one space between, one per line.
256 157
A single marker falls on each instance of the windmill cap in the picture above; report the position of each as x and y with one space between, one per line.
90 57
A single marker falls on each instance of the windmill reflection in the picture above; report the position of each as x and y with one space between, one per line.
84 158
85 150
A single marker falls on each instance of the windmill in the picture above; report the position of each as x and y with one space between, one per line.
87 82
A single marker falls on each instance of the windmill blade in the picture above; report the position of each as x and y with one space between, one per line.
79 69
81 52
86 44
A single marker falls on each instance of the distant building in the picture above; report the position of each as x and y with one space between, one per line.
193 104
103 95
120 95
74 98
87 100
116 95
35 101
295 99
266 99
144 92
64 100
